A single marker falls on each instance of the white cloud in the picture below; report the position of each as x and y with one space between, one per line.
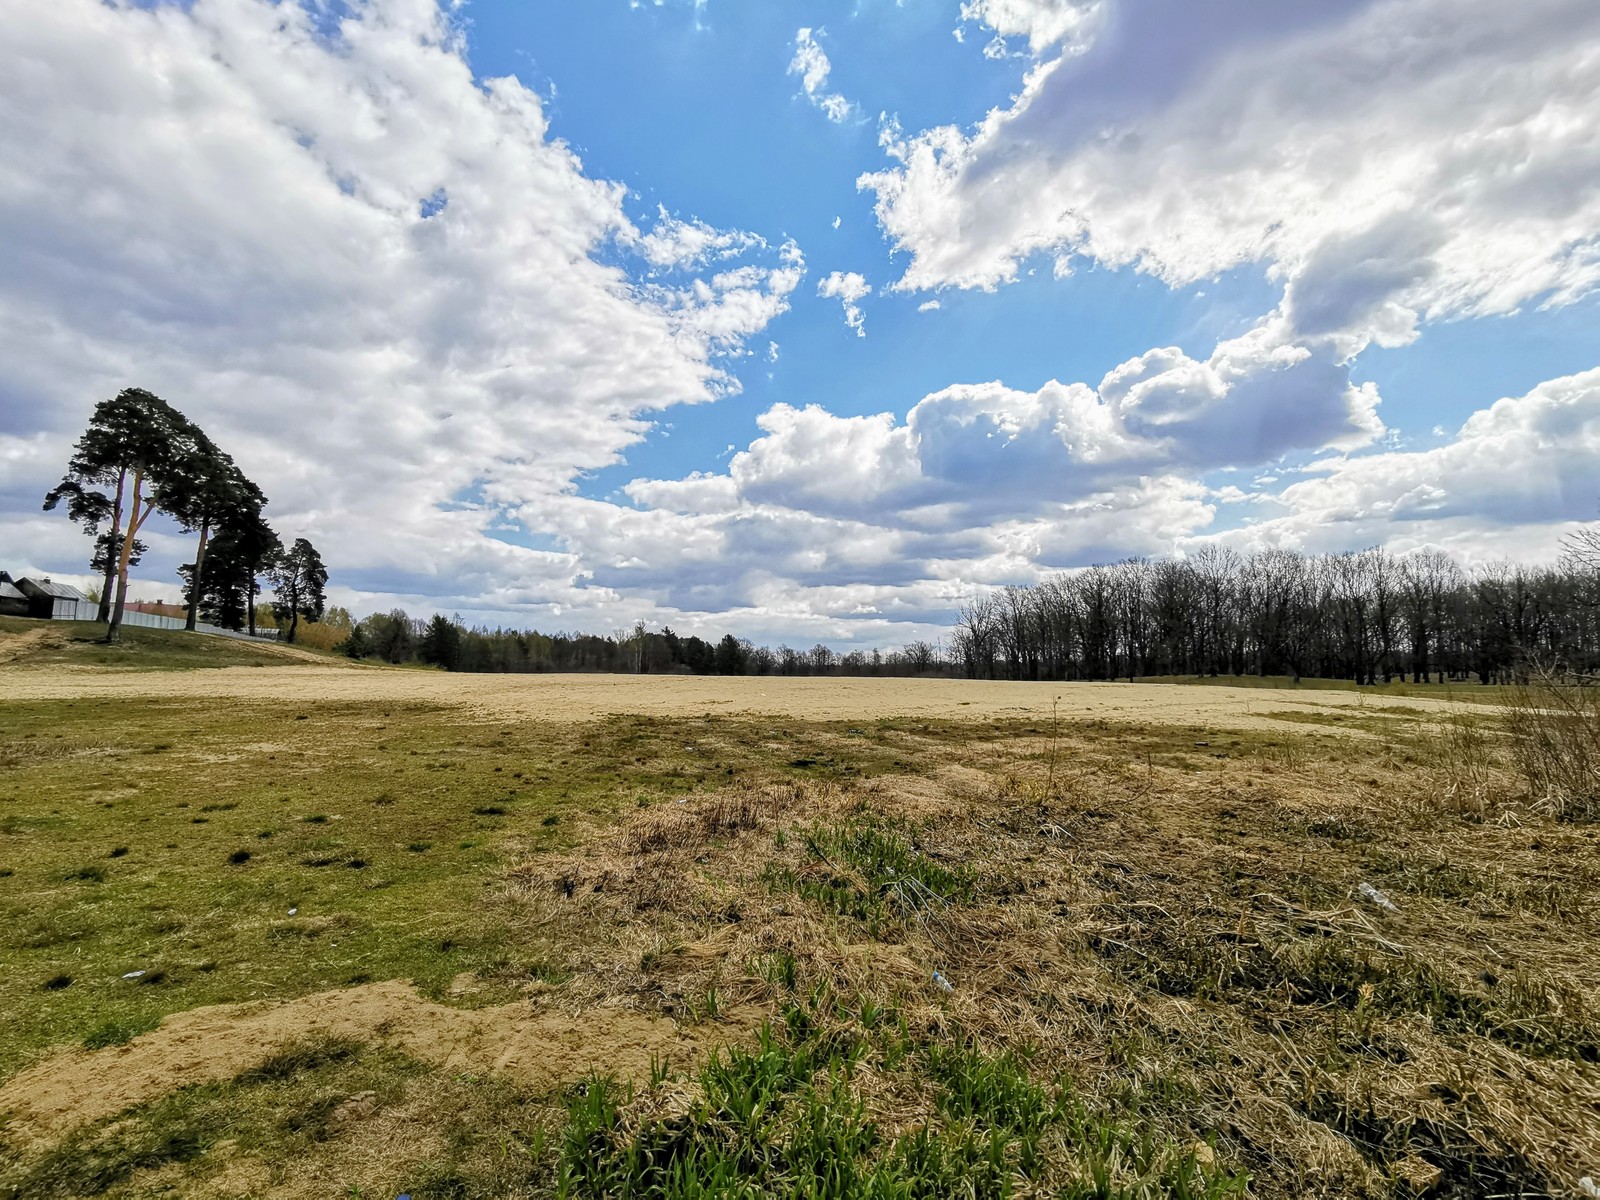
857 525
849 288
1389 162
811 63
979 452
380 283
1045 23
1524 464
677 243
929 306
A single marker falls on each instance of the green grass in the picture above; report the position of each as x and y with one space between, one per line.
785 1117
384 831
78 644
875 871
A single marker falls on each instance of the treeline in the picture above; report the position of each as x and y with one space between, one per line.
395 637
1366 616
139 456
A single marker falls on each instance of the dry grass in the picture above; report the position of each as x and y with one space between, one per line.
1554 724
1163 974
1193 951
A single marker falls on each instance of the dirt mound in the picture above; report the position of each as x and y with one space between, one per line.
205 1045
19 645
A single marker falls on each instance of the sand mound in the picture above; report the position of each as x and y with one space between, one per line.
205 1045
20 645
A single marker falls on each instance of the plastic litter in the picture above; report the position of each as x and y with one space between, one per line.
1371 893
292 911
1588 1186
943 983
133 974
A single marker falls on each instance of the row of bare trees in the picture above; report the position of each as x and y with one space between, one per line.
1365 616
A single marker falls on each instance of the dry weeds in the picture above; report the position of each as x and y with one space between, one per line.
1189 946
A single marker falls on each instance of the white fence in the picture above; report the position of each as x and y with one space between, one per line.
89 610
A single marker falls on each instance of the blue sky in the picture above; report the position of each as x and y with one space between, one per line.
809 321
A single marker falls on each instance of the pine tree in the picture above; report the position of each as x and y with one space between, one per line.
134 443
299 580
206 493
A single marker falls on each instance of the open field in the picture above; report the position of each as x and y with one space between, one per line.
582 698
310 930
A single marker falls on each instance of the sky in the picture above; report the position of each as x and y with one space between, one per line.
809 321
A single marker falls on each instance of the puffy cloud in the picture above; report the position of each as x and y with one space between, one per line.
379 282
1045 23
850 288
1387 160
1512 474
861 527
811 63
979 452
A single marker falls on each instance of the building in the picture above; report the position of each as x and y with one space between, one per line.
56 601
12 602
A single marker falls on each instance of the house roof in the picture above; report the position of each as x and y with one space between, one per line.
7 592
47 587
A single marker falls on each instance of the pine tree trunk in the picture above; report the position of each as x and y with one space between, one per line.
194 579
114 627
103 615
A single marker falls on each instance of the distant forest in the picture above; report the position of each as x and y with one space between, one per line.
397 638
1370 616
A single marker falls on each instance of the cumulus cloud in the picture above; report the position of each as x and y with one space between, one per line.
976 452
1511 478
810 62
850 288
381 283
1388 162
1044 23
856 524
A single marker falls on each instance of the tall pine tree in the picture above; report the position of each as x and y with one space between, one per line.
299 580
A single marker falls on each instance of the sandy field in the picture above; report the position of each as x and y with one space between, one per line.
573 698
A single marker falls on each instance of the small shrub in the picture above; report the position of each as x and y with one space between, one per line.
1554 726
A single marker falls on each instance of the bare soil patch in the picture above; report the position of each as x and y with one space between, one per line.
537 1046
578 698
16 646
